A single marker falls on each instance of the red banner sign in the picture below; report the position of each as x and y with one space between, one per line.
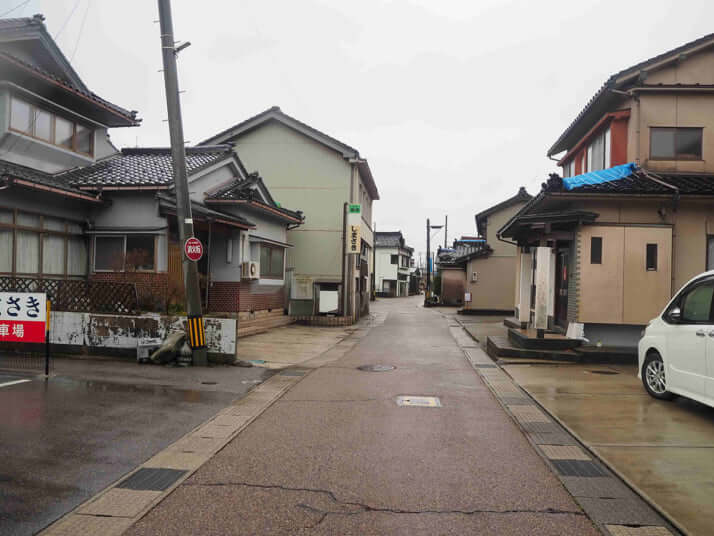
23 316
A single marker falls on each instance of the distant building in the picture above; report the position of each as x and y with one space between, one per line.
490 267
393 264
307 168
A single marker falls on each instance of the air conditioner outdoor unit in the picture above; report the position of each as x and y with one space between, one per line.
250 270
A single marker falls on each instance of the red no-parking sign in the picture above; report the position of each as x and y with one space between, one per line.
193 249
23 316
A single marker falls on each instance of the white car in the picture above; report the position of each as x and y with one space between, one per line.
676 351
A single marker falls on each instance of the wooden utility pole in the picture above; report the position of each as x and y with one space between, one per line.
446 232
184 218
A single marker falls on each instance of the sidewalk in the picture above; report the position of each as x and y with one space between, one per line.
336 455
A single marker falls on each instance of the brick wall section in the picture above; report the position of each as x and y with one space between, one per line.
224 296
256 297
151 287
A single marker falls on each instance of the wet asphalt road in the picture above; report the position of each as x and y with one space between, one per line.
65 439
336 455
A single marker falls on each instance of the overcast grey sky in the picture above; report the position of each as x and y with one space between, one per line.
453 102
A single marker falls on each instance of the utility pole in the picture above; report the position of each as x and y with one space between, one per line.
446 231
374 262
428 263
183 202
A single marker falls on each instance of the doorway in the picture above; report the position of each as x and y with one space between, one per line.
561 287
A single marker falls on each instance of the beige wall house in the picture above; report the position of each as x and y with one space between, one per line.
632 219
491 268
307 168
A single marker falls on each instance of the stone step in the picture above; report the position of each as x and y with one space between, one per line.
499 346
527 338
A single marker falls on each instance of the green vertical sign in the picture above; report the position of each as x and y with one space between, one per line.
355 209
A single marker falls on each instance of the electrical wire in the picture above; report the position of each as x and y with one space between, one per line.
81 29
14 8
64 24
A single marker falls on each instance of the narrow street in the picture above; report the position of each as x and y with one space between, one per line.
337 455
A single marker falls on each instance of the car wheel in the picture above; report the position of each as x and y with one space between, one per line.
653 377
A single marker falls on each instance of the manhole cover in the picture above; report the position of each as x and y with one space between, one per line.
605 372
419 401
376 368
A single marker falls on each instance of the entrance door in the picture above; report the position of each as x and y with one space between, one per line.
561 288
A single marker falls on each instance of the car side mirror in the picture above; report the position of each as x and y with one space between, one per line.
675 314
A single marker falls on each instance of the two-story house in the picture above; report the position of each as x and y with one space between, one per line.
72 206
393 264
307 168
632 218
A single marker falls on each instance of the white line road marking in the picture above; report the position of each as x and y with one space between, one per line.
7 384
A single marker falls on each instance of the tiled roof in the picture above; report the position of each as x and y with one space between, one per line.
612 83
643 182
202 212
245 191
18 173
143 167
388 239
34 27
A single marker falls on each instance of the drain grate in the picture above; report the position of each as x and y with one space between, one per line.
578 468
150 479
419 401
484 365
605 372
209 383
376 368
515 401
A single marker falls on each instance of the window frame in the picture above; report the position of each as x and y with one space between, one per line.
392 258
123 269
34 108
592 250
675 156
655 266
67 235
272 248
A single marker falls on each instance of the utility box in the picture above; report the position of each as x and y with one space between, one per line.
146 347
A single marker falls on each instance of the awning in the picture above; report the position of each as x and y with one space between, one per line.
598 177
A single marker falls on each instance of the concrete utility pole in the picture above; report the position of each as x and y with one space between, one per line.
446 232
428 262
183 202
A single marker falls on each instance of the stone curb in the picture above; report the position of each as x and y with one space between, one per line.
543 434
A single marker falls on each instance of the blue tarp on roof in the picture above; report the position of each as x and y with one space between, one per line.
598 177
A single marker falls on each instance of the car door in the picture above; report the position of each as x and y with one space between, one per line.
687 340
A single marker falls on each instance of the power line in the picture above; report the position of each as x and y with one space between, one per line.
14 8
81 29
64 24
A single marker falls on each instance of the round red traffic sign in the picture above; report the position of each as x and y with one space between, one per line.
193 249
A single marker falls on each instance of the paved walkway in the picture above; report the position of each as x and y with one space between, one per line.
337 455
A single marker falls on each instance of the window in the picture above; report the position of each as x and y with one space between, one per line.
32 244
394 259
651 257
596 250
598 155
124 253
109 253
675 143
271 261
696 304
710 252
46 126
568 169
139 253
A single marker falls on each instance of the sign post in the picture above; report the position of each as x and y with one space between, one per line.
47 340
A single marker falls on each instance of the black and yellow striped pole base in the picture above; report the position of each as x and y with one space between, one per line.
197 341
196 333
